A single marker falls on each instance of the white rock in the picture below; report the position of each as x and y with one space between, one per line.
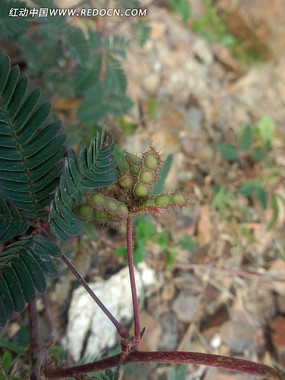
88 325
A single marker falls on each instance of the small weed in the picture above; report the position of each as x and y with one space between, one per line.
181 7
152 108
252 150
212 27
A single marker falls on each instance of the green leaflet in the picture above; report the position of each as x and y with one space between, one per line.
14 287
95 168
6 299
11 221
25 279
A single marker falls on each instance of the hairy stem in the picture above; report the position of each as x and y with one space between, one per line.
133 280
121 329
37 354
173 357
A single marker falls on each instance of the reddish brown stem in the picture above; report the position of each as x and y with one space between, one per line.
36 342
173 357
121 329
133 280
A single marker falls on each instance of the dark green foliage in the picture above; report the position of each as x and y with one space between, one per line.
256 190
178 373
228 151
94 169
246 139
23 266
31 151
27 142
181 7
116 45
11 26
102 80
108 375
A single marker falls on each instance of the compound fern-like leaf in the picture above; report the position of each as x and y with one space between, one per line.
23 267
94 169
30 148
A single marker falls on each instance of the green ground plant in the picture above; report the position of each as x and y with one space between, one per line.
212 26
253 152
46 191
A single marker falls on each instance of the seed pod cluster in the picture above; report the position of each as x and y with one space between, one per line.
131 194
101 208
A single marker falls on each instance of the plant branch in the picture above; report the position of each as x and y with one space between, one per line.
36 348
133 280
233 271
121 329
173 357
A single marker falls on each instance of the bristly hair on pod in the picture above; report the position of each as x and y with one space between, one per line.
155 204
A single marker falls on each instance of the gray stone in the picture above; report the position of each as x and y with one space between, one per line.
186 306
193 119
238 335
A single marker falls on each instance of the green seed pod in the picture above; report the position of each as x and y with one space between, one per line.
98 200
125 182
134 163
123 210
84 212
147 176
103 216
151 160
134 169
148 203
141 190
132 159
112 206
162 200
178 199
